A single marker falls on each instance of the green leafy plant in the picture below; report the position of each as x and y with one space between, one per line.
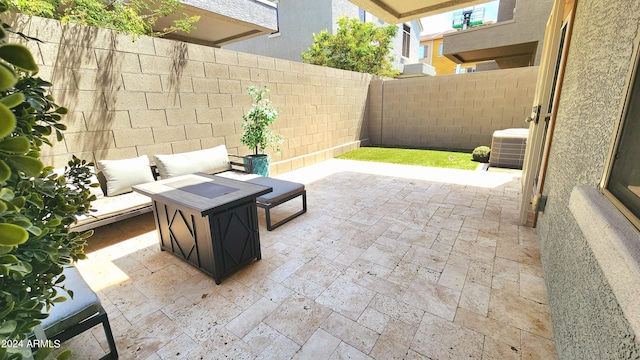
356 46
257 135
481 154
37 206
136 17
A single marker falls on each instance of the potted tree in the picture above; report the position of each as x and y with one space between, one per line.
257 135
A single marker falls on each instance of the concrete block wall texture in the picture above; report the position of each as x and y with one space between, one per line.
156 96
450 111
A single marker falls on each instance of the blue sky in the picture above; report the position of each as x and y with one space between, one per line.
442 22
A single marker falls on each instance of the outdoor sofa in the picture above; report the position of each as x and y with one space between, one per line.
116 201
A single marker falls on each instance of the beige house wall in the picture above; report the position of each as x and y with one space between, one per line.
450 111
157 96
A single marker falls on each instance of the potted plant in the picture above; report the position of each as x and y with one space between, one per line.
257 135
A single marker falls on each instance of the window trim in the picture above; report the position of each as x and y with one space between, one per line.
617 135
406 40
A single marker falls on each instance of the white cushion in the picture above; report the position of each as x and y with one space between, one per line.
208 161
121 175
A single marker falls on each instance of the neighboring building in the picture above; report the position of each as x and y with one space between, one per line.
431 53
298 20
515 40
224 21
582 168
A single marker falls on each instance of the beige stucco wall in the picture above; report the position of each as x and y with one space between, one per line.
157 96
450 111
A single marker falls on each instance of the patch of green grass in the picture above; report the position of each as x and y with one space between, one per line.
453 159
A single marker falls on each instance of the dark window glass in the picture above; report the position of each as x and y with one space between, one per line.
406 40
624 180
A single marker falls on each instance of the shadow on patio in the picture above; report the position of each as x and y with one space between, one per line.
390 261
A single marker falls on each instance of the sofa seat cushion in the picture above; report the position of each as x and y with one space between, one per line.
282 189
207 161
111 206
63 315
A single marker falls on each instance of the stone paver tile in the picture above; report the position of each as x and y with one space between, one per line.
403 274
253 272
537 348
522 313
435 299
475 298
526 254
198 320
373 319
237 293
87 345
251 317
346 297
319 346
223 344
390 251
320 271
506 275
349 255
533 288
396 309
348 352
437 338
413 355
182 347
480 273
272 290
143 341
453 277
285 270
424 238
497 350
354 334
474 250
308 289
428 258
394 341
298 318
489 327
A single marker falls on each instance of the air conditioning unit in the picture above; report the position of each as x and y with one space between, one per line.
508 147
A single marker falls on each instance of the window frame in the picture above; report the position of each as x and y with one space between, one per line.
634 72
406 40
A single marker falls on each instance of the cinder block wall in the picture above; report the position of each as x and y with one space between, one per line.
157 96
450 111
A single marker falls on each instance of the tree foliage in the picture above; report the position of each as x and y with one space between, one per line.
356 46
136 17
257 135
37 206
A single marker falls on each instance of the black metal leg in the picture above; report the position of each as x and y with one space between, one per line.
113 352
268 207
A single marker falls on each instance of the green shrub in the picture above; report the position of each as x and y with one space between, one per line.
481 154
37 206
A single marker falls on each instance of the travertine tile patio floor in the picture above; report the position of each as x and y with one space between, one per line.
390 262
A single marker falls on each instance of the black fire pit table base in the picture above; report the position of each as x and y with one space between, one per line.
209 221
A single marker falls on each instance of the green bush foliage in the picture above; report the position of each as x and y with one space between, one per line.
136 17
356 46
37 206
481 154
